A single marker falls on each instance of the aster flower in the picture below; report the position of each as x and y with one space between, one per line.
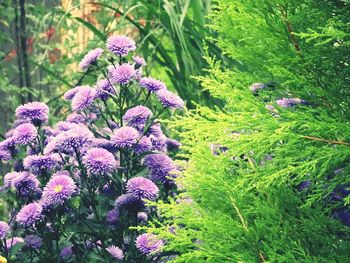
120 45
144 145
84 98
158 142
160 166
25 184
10 242
90 58
8 144
29 214
4 229
69 95
139 61
99 161
58 190
5 155
76 118
115 252
37 112
66 252
104 89
137 115
125 137
127 200
142 217
122 74
112 216
170 99
289 102
33 241
148 243
75 138
39 164
25 134
142 188
172 144
256 87
151 84
9 178
105 144
65 126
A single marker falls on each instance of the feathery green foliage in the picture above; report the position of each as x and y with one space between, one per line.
242 199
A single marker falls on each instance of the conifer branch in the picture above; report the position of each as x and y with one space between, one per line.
290 29
327 141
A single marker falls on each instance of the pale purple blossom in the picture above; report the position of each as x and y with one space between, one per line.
151 84
120 45
170 99
90 58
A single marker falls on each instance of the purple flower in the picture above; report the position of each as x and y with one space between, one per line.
137 115
115 252
172 144
5 155
104 89
127 200
170 99
289 102
105 144
75 138
256 87
120 45
144 145
125 137
25 134
139 61
10 242
151 84
112 216
37 112
148 243
142 217
142 188
8 144
99 161
75 118
25 183
84 98
160 166
90 58
122 74
58 190
33 241
66 252
4 229
29 214
39 164
65 126
9 179
69 95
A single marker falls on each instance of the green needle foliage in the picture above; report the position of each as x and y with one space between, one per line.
260 180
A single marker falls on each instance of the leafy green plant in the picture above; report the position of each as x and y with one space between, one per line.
266 177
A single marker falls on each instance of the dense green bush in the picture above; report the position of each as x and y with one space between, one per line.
266 181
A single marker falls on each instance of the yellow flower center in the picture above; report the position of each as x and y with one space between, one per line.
3 260
58 188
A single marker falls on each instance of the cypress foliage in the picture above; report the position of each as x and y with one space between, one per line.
267 180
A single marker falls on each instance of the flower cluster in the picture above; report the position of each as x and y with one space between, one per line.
81 184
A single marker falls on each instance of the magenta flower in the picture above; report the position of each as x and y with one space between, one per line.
99 161
137 115
170 99
37 112
125 137
4 229
25 134
151 84
84 98
58 190
120 45
142 188
29 214
149 243
122 74
115 252
38 164
90 58
139 61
